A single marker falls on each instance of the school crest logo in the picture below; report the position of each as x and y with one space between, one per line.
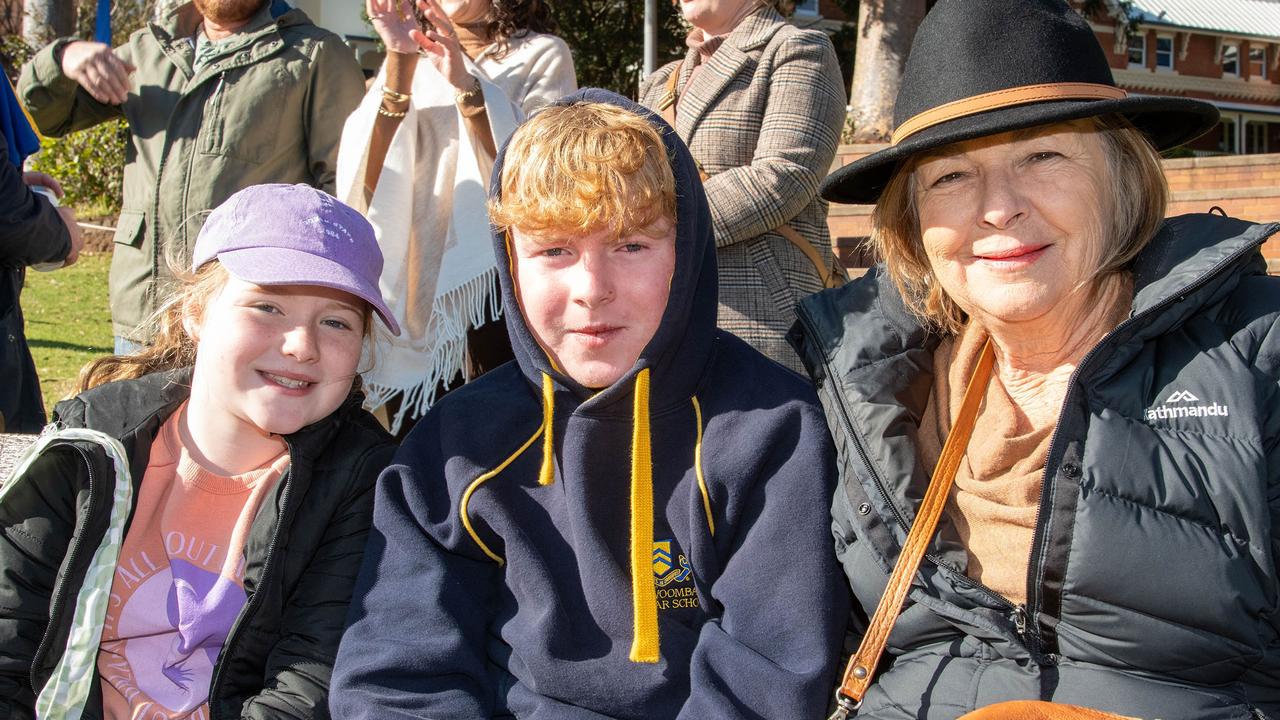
673 575
669 567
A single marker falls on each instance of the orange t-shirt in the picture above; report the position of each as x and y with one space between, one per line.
178 585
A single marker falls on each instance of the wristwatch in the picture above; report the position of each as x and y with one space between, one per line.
471 94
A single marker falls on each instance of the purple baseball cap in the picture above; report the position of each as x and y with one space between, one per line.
295 235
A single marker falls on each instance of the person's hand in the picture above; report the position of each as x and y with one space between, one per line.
98 70
39 178
440 45
73 229
393 20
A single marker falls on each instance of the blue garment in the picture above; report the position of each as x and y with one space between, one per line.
499 579
19 137
102 22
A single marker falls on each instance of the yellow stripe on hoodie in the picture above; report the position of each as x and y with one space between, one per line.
547 474
644 596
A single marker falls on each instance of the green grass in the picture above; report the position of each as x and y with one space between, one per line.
68 321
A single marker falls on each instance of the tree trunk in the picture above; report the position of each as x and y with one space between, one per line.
44 20
885 30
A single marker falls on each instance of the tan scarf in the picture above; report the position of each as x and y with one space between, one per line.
474 38
997 489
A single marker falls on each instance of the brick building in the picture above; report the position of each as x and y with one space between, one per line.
825 14
1225 51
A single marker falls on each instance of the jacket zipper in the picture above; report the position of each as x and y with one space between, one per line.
214 117
251 607
1039 540
853 435
73 557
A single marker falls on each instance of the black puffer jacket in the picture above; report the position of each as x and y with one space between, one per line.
1152 587
31 231
301 556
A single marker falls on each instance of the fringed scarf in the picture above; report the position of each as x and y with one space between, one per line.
429 211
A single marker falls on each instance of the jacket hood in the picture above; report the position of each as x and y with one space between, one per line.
183 19
681 347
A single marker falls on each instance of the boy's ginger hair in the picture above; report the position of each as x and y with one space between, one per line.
583 167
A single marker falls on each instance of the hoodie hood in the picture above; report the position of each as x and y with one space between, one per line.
669 368
680 349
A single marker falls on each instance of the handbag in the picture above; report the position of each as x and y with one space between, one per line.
833 276
862 666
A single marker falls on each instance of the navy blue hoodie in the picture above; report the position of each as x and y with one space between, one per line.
657 549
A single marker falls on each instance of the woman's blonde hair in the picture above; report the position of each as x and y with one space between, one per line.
583 167
171 347
1134 193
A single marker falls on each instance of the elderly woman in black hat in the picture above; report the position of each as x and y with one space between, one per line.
1107 502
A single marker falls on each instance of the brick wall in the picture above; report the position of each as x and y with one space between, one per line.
1245 186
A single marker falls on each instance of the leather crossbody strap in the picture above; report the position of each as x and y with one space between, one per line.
833 276
862 666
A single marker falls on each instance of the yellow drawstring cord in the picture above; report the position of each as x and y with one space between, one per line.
644 596
547 474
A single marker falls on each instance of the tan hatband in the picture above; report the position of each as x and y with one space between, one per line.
1002 99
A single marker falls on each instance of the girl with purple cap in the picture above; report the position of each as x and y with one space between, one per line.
183 540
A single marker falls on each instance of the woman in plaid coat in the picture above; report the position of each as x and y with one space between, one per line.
760 103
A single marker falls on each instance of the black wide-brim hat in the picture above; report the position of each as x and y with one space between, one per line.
984 67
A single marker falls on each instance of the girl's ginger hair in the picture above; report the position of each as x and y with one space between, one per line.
583 167
171 347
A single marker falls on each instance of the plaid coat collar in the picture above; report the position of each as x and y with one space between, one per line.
753 33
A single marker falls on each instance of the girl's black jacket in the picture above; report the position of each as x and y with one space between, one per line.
301 556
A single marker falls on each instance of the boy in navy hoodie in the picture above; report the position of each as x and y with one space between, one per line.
631 519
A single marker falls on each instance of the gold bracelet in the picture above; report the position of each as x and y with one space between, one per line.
394 96
391 113
463 97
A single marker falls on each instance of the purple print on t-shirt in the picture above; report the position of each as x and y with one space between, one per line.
175 668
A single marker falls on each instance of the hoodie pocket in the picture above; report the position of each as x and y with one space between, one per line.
129 228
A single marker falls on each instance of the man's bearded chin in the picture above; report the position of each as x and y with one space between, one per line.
228 11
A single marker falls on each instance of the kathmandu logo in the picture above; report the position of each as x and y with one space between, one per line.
1177 405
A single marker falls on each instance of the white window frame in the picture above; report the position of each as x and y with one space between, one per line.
1137 42
1173 51
1249 132
807 7
1259 75
1235 123
1226 47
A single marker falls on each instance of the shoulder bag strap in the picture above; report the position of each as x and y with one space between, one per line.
833 276
667 103
69 687
862 666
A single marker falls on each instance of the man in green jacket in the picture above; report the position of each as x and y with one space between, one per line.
219 95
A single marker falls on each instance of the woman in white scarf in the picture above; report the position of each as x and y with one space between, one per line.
415 157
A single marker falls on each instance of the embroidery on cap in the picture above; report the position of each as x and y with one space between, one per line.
333 230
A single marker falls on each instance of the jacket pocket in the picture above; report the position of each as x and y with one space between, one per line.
245 114
129 228
773 281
